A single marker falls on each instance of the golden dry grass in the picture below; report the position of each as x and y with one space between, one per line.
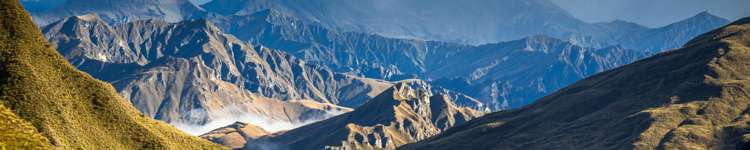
68 107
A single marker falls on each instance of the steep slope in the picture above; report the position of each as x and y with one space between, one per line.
68 107
357 53
373 56
405 113
489 21
117 11
191 73
504 64
512 74
691 98
16 133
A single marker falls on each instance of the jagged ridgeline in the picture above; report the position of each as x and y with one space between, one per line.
407 112
47 96
695 97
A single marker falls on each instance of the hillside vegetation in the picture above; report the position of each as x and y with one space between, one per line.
68 107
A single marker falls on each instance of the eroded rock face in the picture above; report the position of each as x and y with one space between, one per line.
310 34
192 73
236 135
407 112
694 97
500 74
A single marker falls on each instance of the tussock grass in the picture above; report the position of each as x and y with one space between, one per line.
69 108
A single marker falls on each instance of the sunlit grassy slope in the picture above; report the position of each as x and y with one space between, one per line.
49 97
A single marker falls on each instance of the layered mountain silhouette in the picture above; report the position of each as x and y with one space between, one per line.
422 19
274 65
495 73
671 36
47 103
303 30
502 76
407 112
690 98
441 21
114 11
357 53
190 72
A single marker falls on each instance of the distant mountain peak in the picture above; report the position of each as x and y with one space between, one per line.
626 23
706 14
692 97
703 16
89 17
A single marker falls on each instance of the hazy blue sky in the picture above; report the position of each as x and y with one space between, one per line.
653 12
647 12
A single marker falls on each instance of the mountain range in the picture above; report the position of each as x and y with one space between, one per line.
407 112
280 25
113 11
334 74
690 98
445 20
190 72
48 104
395 59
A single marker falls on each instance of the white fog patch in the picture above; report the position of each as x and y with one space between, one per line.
122 44
232 114
101 57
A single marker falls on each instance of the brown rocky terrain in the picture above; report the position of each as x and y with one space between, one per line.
235 135
407 112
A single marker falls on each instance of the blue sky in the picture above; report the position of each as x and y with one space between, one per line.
652 13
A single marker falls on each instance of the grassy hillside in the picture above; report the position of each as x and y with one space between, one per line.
68 107
16 133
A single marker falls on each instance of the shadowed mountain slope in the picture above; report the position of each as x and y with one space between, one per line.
694 97
289 26
495 73
407 112
68 107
